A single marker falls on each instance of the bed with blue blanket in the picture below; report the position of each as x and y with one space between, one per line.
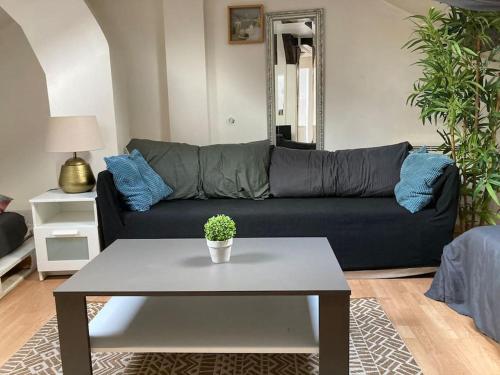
468 279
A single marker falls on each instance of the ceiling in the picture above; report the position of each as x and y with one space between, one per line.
481 5
413 7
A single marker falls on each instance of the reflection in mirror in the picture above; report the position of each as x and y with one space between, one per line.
294 69
294 74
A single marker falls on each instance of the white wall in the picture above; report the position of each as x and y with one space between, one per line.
74 55
368 75
158 68
186 71
236 80
135 34
25 168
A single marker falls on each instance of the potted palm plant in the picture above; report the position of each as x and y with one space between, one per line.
459 91
219 232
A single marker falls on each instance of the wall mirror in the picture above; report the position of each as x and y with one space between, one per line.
295 78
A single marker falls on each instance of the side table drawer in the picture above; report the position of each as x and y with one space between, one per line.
65 249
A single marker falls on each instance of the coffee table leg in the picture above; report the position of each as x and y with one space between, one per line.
73 334
333 335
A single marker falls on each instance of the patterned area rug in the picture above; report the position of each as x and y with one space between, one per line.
375 348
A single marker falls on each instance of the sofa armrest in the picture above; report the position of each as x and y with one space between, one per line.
446 193
109 207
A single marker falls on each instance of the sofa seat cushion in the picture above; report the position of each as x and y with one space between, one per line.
364 232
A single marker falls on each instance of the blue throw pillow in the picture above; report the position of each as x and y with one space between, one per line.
129 182
140 185
155 183
419 172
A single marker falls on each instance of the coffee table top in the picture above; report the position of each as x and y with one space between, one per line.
177 267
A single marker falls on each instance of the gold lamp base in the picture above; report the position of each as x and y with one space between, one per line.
76 176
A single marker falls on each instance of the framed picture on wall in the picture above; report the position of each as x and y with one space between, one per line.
245 24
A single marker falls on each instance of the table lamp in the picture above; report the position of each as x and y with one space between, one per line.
74 134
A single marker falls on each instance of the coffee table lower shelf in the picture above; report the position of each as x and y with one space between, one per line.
260 324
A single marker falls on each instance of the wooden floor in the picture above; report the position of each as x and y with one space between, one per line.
442 341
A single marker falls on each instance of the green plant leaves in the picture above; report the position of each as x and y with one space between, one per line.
492 193
459 92
219 228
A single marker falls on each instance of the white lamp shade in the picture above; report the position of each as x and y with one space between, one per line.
73 134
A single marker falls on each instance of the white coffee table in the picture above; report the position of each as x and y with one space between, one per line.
277 295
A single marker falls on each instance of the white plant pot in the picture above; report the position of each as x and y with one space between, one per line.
220 251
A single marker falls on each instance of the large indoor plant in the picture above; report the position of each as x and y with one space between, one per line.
459 92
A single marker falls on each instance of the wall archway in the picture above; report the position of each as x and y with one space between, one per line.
74 55
26 169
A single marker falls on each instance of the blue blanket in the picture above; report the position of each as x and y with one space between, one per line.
469 278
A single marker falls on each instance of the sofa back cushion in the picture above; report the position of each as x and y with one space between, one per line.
176 163
235 170
296 173
367 172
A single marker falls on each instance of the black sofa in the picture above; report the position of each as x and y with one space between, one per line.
365 233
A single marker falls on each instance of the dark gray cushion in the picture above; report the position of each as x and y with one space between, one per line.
368 172
296 173
12 231
176 163
235 170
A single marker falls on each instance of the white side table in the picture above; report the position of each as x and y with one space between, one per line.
65 231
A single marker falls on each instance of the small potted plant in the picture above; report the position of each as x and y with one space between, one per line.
219 232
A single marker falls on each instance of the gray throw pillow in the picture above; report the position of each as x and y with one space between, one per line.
366 172
235 170
176 163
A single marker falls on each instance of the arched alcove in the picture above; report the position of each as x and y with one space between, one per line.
74 55
25 167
